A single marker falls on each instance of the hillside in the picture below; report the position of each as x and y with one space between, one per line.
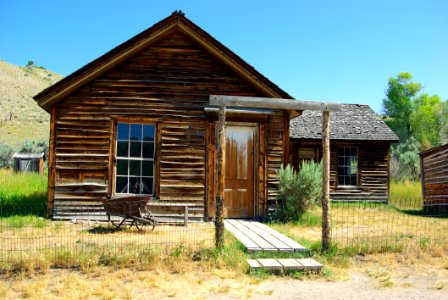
20 116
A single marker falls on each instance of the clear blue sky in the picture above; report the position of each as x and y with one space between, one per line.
342 51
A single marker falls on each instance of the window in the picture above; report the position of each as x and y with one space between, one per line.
135 151
347 166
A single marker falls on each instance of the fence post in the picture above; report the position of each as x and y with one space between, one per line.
219 221
326 181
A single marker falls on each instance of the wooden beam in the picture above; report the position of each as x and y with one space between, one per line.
326 181
219 220
51 164
273 103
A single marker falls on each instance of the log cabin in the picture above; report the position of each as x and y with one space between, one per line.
139 120
434 177
359 154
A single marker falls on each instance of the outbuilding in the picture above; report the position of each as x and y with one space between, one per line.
29 162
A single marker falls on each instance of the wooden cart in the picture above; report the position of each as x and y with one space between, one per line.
132 209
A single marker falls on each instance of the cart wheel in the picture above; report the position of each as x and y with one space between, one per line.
146 221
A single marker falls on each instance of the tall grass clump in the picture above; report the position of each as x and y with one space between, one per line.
22 193
298 191
407 189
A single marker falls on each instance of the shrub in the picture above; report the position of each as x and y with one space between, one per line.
6 153
32 146
298 191
405 162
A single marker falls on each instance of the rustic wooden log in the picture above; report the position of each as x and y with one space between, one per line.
326 181
219 220
260 102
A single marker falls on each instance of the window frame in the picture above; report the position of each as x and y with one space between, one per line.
356 176
114 157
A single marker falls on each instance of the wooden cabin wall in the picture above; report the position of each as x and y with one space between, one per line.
277 152
168 83
373 169
434 165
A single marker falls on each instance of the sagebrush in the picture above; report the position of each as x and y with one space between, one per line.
298 191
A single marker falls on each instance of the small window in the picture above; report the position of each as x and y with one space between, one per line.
347 166
135 149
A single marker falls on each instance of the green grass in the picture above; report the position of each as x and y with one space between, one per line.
22 194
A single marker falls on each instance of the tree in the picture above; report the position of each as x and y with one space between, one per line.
426 120
398 103
444 124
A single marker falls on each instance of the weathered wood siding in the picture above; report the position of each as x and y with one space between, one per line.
373 169
434 177
168 83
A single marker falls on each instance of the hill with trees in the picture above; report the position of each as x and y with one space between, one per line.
24 126
20 116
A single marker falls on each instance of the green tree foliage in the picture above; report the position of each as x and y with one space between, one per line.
298 191
426 120
6 153
398 103
412 113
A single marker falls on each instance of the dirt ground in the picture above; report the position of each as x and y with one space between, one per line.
382 276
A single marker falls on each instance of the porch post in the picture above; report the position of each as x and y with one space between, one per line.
219 220
326 227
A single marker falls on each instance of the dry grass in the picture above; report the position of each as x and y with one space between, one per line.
38 243
374 228
17 87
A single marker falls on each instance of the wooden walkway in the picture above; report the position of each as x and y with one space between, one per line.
259 237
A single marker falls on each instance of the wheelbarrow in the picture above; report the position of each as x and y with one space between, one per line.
132 210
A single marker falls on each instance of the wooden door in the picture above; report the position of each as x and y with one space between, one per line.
239 172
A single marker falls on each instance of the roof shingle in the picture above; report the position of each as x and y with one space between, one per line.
352 122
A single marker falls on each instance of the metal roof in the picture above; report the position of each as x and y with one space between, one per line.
28 155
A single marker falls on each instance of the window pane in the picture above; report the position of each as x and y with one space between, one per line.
340 161
122 167
148 167
135 149
122 148
134 167
122 131
146 187
340 151
134 185
148 132
121 185
136 132
148 150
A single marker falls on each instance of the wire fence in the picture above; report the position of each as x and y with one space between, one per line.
88 238
371 226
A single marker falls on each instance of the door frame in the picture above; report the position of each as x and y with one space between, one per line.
211 178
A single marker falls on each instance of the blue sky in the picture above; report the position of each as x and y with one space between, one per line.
342 51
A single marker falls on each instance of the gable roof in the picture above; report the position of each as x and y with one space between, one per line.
351 122
177 19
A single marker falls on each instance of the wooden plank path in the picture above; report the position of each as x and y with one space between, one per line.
302 264
259 237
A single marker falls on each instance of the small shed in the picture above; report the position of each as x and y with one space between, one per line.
29 162
434 176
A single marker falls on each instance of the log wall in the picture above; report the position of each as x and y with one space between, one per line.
434 171
373 169
168 83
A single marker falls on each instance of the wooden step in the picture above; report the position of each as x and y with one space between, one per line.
287 264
